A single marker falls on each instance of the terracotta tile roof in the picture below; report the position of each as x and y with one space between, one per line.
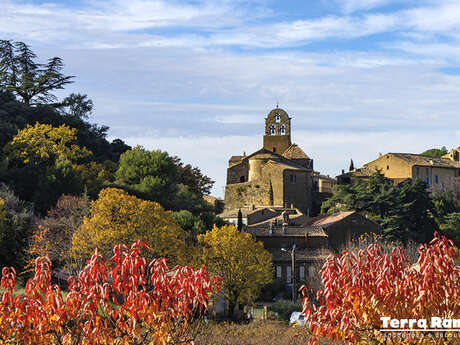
291 231
361 172
294 151
296 218
329 219
236 158
287 164
415 159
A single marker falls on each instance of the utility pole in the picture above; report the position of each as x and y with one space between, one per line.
294 290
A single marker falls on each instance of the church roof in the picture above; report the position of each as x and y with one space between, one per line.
276 159
294 151
286 164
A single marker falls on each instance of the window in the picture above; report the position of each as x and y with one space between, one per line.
272 130
427 172
277 118
427 180
388 167
436 179
283 130
278 271
311 271
418 171
274 149
288 274
292 178
241 178
301 272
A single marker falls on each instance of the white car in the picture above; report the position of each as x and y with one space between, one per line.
297 318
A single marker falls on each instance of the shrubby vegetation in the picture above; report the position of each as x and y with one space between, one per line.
110 302
361 287
405 211
284 308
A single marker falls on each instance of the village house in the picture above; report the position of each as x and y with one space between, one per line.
440 174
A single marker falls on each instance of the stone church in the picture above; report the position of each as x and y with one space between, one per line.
280 174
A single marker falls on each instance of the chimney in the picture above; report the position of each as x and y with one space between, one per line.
343 171
253 207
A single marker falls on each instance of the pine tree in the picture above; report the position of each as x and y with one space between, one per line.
31 82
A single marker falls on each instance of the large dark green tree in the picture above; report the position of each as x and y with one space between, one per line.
15 229
405 211
451 227
150 174
28 80
156 176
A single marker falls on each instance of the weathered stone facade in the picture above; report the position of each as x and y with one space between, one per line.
279 174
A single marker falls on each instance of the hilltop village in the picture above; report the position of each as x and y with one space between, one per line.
276 195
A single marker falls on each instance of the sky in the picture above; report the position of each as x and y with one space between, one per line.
197 78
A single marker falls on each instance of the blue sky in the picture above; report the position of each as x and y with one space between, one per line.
197 78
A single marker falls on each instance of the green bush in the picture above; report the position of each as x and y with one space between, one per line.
284 308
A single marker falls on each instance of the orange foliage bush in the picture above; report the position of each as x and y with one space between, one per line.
361 288
119 301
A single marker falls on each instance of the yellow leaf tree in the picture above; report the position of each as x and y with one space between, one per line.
41 142
241 261
117 217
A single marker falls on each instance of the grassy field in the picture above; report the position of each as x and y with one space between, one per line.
254 333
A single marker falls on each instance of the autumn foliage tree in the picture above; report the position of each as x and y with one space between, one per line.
360 288
122 300
117 217
34 144
53 235
242 262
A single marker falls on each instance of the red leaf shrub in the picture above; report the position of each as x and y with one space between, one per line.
361 288
122 300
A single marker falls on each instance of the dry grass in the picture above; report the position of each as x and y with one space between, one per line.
254 333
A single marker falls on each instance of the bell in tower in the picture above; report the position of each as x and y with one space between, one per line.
277 136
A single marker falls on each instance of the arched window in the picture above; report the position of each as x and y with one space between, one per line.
272 130
283 130
277 118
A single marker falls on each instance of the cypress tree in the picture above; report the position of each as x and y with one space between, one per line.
240 220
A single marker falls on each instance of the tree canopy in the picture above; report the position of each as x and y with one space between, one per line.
224 251
435 153
43 142
156 176
405 211
30 81
117 217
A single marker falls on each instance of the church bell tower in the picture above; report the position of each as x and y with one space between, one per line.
277 136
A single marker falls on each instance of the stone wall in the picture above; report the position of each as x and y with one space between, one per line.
238 172
247 193
298 193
